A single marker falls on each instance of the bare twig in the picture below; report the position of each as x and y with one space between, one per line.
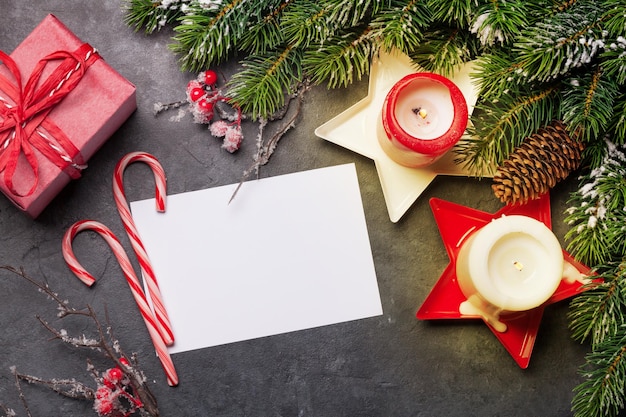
161 107
266 148
104 343
70 388
21 394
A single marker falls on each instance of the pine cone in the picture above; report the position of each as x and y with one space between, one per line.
537 165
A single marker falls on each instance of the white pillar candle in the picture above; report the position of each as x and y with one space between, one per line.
424 115
514 263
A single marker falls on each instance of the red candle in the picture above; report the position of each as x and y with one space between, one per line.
424 115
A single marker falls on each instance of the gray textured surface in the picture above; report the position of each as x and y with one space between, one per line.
392 365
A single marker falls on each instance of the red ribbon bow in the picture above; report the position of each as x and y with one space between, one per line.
24 126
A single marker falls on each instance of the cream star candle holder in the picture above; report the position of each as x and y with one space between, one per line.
358 128
424 115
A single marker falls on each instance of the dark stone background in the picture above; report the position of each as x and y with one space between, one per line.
392 365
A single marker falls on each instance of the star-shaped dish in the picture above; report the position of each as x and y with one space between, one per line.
357 128
454 222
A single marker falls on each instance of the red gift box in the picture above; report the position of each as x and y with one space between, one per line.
59 102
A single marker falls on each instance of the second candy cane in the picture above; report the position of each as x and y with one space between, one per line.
131 278
163 321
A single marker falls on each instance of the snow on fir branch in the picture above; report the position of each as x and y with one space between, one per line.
522 50
597 236
120 391
597 211
535 61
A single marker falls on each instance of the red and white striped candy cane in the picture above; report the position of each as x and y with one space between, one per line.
163 321
131 278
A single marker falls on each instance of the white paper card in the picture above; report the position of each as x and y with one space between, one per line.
288 253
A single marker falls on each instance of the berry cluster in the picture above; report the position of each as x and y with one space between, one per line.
115 396
203 96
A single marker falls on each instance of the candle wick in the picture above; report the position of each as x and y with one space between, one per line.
418 111
518 265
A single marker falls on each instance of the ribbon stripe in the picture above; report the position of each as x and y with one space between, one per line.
25 109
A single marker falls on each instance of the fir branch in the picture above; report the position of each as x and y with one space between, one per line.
496 73
594 154
304 23
597 212
618 124
152 15
342 60
589 241
598 312
615 17
554 46
350 13
589 102
206 37
502 125
401 25
266 33
614 60
458 13
500 21
260 87
443 50
602 394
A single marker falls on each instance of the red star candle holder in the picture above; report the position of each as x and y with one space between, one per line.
520 252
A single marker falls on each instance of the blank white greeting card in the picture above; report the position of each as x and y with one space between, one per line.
288 253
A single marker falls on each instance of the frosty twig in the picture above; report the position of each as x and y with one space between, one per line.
121 390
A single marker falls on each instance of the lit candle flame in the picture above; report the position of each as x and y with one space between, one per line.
518 265
421 112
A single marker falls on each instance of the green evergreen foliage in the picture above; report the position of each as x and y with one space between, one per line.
443 49
401 25
342 61
207 37
597 236
456 13
264 34
152 16
560 49
502 124
535 61
589 101
499 23
597 212
602 393
599 313
266 75
618 125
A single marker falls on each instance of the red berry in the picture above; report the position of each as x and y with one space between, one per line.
205 106
195 94
103 392
210 77
104 407
193 84
124 362
113 375
108 383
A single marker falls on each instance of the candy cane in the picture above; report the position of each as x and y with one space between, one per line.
163 321
131 278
